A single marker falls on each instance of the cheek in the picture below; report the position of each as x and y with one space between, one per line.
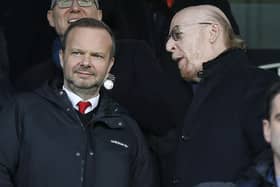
67 70
91 13
100 68
181 49
69 67
187 50
195 50
275 133
61 20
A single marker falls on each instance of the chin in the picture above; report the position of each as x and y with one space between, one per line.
84 84
187 76
187 79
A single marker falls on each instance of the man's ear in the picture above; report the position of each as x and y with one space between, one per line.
267 130
61 55
99 15
50 18
112 61
214 32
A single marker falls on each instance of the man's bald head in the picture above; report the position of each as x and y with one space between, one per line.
202 12
199 34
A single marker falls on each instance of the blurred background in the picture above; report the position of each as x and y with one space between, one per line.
259 26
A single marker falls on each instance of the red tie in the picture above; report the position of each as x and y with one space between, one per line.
83 106
169 3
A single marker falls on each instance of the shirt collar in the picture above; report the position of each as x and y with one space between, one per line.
74 98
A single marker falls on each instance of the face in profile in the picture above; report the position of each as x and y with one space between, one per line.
271 127
191 40
185 44
86 59
61 18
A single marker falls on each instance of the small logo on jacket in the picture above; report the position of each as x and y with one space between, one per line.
119 143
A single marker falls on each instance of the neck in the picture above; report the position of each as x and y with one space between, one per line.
85 94
217 51
276 165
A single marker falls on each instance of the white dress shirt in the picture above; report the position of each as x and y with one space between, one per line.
75 99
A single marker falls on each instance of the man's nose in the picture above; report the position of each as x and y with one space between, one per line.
75 5
170 45
86 60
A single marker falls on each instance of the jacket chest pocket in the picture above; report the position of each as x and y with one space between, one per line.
113 160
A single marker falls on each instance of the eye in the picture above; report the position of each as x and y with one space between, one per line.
277 117
177 36
85 2
76 53
64 3
98 56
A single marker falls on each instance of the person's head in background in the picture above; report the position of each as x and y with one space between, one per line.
64 12
198 34
271 123
87 55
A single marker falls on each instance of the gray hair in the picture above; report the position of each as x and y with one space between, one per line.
231 39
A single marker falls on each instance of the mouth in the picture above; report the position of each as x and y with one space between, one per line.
181 61
72 20
84 74
177 59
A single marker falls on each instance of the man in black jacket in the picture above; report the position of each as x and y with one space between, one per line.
74 135
222 130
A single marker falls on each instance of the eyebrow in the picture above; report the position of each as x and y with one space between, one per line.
90 52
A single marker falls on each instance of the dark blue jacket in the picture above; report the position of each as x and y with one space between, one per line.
43 143
261 174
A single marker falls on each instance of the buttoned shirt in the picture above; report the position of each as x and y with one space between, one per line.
75 99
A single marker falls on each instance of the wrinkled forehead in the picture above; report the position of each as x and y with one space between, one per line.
185 16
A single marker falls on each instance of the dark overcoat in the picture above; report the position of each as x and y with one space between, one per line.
222 130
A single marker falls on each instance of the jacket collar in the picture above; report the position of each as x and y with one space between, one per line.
108 112
211 67
265 168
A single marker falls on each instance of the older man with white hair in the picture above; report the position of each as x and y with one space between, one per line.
222 130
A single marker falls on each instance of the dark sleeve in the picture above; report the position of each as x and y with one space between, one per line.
144 165
9 144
